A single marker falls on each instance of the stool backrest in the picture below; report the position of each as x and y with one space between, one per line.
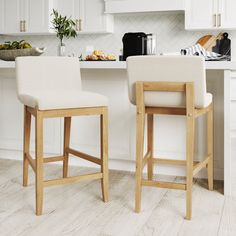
167 69
47 73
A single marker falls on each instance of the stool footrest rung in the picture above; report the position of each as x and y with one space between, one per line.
166 111
165 161
200 165
84 156
53 159
169 161
163 184
74 179
45 160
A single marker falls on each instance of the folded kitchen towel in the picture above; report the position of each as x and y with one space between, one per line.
198 50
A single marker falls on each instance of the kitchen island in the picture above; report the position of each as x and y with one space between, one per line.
110 79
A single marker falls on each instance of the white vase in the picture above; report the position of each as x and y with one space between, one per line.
61 50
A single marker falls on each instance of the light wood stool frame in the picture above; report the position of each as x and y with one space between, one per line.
191 114
37 163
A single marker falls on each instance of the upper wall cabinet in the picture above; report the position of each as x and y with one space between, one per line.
25 16
10 13
34 16
227 14
88 14
93 17
200 14
1 16
69 8
210 14
132 6
37 15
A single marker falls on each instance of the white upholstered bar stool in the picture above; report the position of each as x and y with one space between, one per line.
170 86
51 87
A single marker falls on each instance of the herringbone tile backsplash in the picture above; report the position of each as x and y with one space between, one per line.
169 28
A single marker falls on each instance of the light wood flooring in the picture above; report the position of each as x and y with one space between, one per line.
77 209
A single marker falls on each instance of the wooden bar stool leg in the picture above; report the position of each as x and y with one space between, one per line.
67 129
104 154
139 157
27 126
39 162
140 122
189 147
150 145
210 148
190 153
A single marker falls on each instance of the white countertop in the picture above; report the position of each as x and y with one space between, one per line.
6 64
216 65
83 65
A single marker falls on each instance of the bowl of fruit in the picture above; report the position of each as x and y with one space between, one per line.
10 50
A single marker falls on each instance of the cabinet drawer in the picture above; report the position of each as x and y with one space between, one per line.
233 88
233 119
233 113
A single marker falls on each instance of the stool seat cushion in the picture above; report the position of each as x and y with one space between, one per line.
50 100
172 99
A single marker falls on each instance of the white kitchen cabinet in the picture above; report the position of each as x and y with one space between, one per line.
93 17
210 14
25 16
233 104
233 131
226 15
88 14
69 8
37 15
130 6
1 15
10 16
200 14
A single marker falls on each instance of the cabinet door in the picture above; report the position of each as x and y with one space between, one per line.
10 16
2 16
92 16
69 8
200 14
227 14
37 16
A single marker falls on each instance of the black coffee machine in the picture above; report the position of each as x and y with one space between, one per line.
134 44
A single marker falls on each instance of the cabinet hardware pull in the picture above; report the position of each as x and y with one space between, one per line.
21 26
214 20
80 25
24 26
77 25
219 16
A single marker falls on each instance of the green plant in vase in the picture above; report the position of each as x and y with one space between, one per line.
64 27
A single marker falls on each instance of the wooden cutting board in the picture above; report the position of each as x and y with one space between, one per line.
203 40
209 41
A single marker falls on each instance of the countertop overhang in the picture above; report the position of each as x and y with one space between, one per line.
210 65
